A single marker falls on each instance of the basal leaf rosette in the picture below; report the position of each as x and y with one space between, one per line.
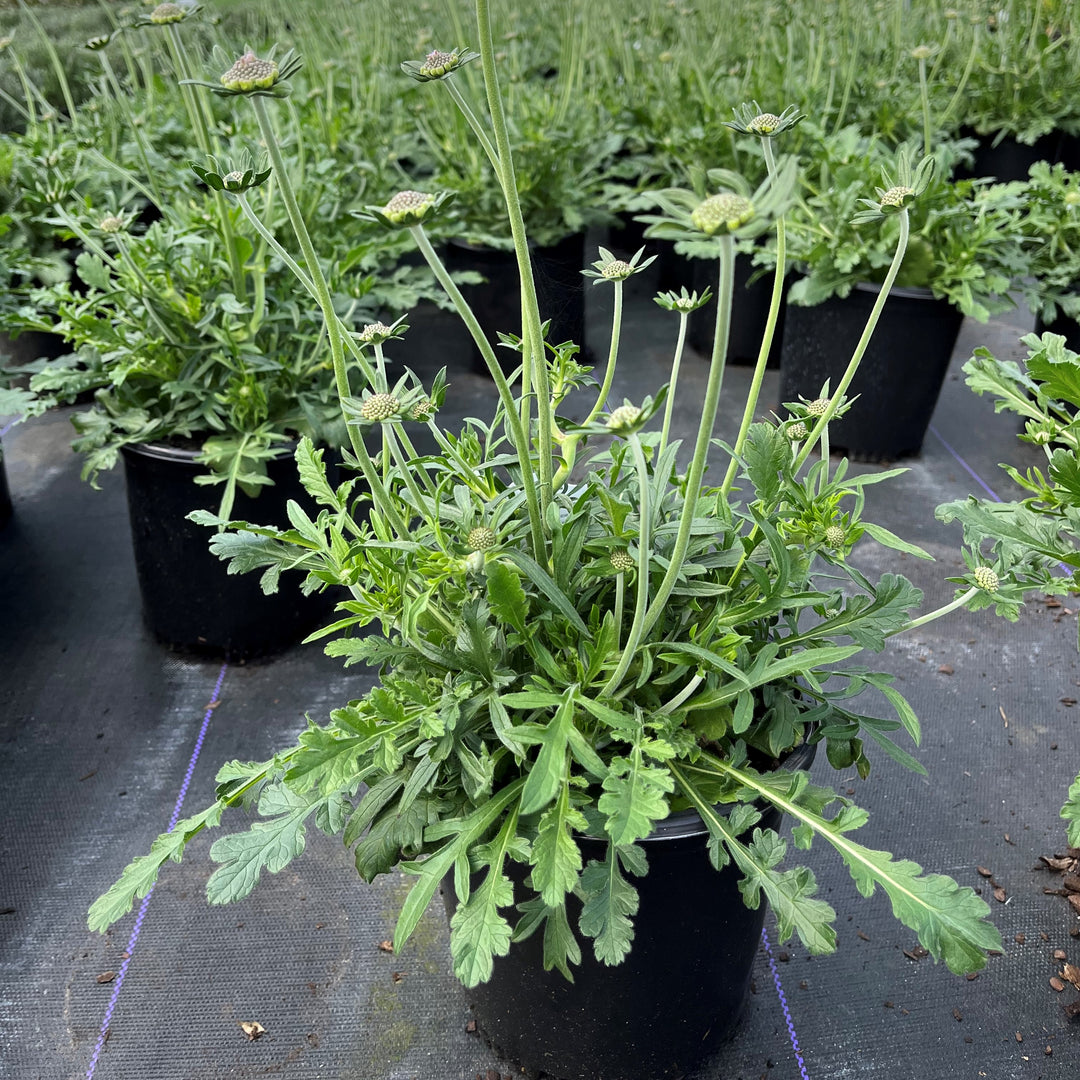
732 209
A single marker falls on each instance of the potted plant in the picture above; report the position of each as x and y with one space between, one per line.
1051 229
585 652
965 250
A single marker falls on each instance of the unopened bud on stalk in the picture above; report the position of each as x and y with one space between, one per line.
617 270
167 13
481 538
623 418
818 406
835 536
797 432
376 332
764 123
408 207
722 213
422 410
250 73
379 407
985 578
621 560
897 197
111 224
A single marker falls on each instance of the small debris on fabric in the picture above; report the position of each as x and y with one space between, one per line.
386 946
861 936
86 776
999 895
983 872
1019 1037
958 1016
917 953
946 669
1060 954
7 911
470 1027
1049 1050
1068 702
1056 983
1004 718
803 985
106 977
1072 1010
1020 939
397 976
252 1029
972 976
1071 973
889 1005
968 1039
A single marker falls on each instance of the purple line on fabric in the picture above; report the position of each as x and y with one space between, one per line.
784 1005
966 467
8 426
137 928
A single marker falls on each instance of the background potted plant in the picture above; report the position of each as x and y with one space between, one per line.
966 248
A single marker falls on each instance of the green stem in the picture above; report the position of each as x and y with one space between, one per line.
474 123
57 66
637 627
273 243
533 338
930 616
704 435
860 349
669 407
515 427
754 393
670 706
924 97
134 128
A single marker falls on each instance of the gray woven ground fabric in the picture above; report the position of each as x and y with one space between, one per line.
98 726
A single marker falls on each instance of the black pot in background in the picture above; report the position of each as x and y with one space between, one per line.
1069 151
1009 159
5 493
677 996
749 313
1068 328
496 302
901 374
189 600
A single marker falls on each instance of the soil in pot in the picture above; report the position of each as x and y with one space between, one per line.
496 302
189 600
674 1000
897 385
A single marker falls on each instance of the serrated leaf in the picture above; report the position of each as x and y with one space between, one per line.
634 798
549 770
1070 812
507 598
766 453
609 903
556 856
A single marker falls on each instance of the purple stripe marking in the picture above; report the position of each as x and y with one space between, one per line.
966 467
8 426
784 1005
137 929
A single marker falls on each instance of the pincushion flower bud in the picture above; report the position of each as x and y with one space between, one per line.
834 536
437 64
764 123
379 407
422 410
1072 198
408 207
111 224
896 198
167 13
250 73
797 431
623 418
617 270
481 538
621 560
375 333
985 578
818 406
722 213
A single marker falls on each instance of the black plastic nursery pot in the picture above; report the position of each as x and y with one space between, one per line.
677 996
1006 159
898 383
5 492
189 600
496 302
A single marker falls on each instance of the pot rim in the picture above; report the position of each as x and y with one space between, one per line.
159 451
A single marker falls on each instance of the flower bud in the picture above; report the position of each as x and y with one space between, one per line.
422 410
621 560
897 197
250 73
111 224
167 13
818 406
835 536
617 270
722 213
764 123
379 407
797 431
408 207
376 332
985 578
623 418
481 538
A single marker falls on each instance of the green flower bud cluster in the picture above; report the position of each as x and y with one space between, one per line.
617 270
422 410
835 536
722 213
408 207
897 197
985 578
167 13
623 418
621 560
481 538
764 123
375 333
250 73
797 431
818 406
114 223
379 407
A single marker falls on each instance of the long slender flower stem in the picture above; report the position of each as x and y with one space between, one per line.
471 119
515 427
676 363
860 349
670 706
754 393
937 613
924 98
704 435
276 247
570 443
135 129
533 344
637 627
